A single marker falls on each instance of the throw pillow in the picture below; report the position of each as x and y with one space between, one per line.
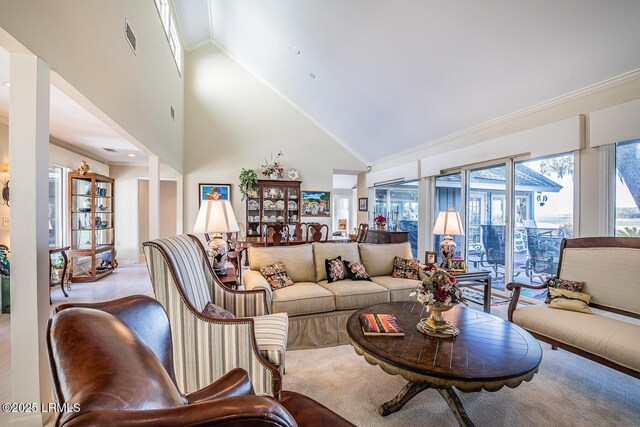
405 268
568 300
356 271
335 269
276 276
569 285
213 311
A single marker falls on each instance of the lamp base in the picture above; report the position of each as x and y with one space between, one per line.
220 272
447 250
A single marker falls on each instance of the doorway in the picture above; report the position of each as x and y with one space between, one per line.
168 211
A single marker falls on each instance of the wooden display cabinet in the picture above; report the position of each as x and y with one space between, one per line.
91 224
272 202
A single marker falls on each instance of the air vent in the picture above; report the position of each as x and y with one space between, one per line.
173 113
111 150
128 34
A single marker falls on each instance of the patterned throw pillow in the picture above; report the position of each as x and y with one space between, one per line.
404 268
213 311
335 269
356 271
568 300
276 275
569 285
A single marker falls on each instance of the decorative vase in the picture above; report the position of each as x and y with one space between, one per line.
436 325
380 227
273 176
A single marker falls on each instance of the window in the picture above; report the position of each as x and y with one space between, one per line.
627 197
543 217
168 19
448 195
399 204
56 202
487 211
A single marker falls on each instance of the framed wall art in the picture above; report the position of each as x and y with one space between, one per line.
316 203
214 192
363 204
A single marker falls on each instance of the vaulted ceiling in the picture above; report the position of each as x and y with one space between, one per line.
386 76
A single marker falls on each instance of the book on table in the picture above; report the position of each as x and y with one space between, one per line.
381 325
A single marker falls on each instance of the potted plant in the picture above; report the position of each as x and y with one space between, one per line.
248 178
380 221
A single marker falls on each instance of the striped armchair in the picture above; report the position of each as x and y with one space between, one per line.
205 349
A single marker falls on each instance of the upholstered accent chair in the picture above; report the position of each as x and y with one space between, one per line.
205 349
113 361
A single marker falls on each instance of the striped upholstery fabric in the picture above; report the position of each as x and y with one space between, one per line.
271 335
206 349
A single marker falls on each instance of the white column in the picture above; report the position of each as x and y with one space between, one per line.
424 217
154 197
180 205
29 171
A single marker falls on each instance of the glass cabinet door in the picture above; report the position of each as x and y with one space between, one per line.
273 204
292 205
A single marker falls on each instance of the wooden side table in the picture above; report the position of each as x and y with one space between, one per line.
62 250
230 280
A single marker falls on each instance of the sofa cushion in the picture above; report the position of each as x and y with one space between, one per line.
351 294
302 298
356 271
569 285
298 260
276 275
563 299
614 340
378 259
610 275
213 311
323 251
399 288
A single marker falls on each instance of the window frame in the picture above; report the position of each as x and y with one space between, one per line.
167 14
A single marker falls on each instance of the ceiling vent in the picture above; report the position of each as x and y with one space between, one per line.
128 34
111 150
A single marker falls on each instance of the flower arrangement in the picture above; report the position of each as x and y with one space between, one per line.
380 219
438 288
273 168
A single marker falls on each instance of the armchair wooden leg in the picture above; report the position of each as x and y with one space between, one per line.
554 347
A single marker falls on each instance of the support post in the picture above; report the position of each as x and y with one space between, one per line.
154 197
29 171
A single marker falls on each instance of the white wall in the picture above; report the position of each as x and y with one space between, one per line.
234 121
126 207
4 159
83 41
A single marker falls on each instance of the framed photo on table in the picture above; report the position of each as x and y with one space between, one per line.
363 204
214 192
316 203
457 266
430 257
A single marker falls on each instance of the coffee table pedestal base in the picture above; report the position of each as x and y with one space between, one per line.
412 389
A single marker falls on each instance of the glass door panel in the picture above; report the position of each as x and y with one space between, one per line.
448 196
399 204
544 192
486 213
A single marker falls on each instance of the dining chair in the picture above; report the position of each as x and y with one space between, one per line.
277 234
315 232
363 230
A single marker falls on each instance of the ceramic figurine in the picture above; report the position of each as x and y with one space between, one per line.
83 168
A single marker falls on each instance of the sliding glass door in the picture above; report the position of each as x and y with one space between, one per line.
399 204
627 196
544 194
486 214
448 195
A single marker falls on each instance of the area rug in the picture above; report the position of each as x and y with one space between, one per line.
477 296
567 391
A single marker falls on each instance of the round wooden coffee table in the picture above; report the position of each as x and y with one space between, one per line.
489 353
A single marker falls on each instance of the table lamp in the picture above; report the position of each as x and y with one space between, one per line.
216 216
448 224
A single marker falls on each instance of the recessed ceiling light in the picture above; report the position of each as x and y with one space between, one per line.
313 76
131 155
7 84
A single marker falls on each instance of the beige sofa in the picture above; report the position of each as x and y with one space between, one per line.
318 310
610 268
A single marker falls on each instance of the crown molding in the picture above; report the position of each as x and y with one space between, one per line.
199 45
79 151
535 109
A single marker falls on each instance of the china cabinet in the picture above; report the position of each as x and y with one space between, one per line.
91 218
270 202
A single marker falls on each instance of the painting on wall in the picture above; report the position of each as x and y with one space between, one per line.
316 203
214 192
363 204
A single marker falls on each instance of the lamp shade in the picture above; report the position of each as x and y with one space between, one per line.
216 216
449 223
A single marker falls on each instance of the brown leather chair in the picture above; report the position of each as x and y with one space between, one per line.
114 360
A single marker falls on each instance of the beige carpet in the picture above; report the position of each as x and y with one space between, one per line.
567 391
